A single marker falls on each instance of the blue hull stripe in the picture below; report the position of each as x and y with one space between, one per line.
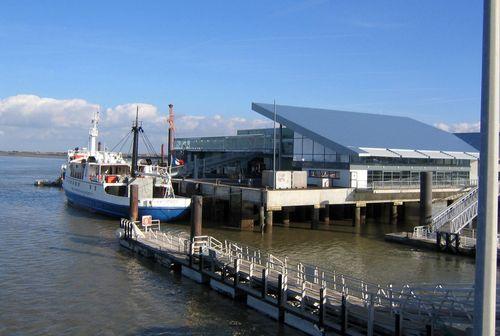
116 210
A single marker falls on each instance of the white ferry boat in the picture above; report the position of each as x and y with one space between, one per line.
100 181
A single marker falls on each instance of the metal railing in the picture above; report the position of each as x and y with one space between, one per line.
412 184
458 214
446 305
239 143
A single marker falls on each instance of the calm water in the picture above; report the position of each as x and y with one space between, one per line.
62 271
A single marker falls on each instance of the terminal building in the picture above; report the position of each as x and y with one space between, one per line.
337 149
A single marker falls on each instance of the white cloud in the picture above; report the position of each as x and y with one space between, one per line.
35 111
196 125
463 127
40 123
125 113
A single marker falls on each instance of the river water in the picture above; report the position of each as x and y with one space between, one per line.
63 272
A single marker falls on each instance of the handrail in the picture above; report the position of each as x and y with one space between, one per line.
444 303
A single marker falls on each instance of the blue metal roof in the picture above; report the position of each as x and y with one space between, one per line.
348 132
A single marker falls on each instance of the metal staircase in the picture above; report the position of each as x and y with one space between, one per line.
458 215
453 220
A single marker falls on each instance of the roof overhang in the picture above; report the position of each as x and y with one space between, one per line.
338 148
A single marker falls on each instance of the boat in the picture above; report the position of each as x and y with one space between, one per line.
99 181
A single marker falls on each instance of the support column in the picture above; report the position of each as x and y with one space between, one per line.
262 217
285 213
196 215
326 212
247 216
394 213
269 221
425 198
357 216
195 170
315 217
134 202
363 215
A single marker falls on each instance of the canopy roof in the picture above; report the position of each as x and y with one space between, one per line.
366 134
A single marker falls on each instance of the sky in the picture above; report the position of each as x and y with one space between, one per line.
62 60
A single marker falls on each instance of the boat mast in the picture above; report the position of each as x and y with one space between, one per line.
170 135
93 133
135 147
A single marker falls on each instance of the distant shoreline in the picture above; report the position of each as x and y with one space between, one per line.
33 154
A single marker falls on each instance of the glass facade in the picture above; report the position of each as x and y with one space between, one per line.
306 150
414 176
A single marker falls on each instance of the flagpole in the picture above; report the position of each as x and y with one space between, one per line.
486 244
274 147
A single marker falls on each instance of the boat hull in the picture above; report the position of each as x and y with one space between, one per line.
163 213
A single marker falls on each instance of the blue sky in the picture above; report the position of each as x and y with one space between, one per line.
415 58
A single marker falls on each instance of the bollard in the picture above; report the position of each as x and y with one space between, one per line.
134 202
343 316
281 299
322 306
196 216
425 198
201 260
398 325
236 277
263 292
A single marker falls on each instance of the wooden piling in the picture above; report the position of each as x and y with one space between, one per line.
134 202
196 216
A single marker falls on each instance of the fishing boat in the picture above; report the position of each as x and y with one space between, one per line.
100 180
